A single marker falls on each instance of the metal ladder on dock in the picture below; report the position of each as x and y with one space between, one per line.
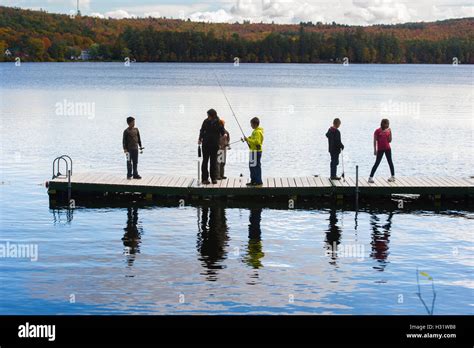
57 173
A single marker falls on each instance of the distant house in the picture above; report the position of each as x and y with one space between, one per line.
84 55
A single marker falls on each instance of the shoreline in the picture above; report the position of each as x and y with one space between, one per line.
242 63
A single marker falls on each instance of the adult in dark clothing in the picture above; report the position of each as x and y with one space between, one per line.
335 147
209 136
131 144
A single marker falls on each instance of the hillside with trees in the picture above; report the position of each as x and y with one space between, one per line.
43 37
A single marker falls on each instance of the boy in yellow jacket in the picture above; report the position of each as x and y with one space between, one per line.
255 142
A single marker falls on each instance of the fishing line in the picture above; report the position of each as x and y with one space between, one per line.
230 105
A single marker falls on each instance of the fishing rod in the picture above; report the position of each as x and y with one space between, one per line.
235 142
230 106
343 171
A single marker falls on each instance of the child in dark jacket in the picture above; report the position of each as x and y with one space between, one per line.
131 145
335 147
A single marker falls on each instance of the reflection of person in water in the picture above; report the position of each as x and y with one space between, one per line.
59 214
212 240
132 237
254 247
380 240
333 236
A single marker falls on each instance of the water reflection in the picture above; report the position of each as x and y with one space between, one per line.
62 216
212 239
380 240
132 237
278 254
333 237
254 250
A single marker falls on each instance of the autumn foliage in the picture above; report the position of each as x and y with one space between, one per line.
41 36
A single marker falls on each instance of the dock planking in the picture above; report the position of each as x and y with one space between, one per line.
273 186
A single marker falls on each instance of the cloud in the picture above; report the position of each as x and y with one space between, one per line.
295 11
118 14
445 13
278 11
467 11
219 16
381 11
245 8
156 14
166 10
361 12
97 14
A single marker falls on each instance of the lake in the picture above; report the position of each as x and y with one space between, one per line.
216 257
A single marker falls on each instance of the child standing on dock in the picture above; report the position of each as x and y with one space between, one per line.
255 142
335 146
131 144
382 140
224 142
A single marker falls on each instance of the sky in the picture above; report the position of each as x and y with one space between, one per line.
355 12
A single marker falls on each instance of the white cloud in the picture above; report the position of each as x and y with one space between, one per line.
381 11
118 14
445 13
169 11
295 11
219 16
467 11
156 14
279 11
245 8
360 12
97 14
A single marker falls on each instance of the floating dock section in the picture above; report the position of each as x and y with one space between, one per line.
307 186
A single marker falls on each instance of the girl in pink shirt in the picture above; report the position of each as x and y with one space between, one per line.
382 140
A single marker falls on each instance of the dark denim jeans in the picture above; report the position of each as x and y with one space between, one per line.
132 163
334 163
255 166
388 154
209 154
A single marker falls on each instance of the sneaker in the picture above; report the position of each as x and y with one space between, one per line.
206 182
138 177
335 178
391 179
129 177
371 181
214 182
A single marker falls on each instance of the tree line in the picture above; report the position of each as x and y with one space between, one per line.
62 39
354 45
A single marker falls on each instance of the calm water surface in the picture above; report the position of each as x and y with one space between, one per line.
217 258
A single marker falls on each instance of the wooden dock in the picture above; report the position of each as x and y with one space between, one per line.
180 186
